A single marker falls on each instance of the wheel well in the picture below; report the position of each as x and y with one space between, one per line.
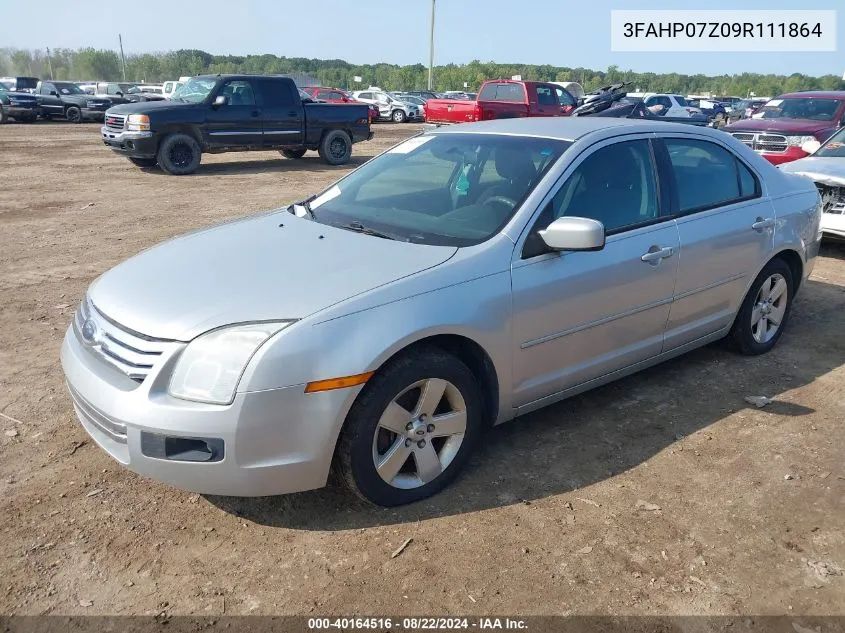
475 358
796 266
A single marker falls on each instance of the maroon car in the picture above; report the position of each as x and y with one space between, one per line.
335 95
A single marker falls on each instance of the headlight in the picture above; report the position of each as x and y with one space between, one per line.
211 366
798 141
138 123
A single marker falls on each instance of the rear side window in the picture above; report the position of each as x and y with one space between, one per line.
513 93
276 93
707 175
545 96
365 95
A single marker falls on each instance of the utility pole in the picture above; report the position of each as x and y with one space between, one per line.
431 49
122 58
50 63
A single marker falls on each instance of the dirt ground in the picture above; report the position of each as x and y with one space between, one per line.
664 493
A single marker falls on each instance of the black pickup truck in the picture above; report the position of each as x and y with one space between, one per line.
225 113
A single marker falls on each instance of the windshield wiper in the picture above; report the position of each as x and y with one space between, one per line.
357 227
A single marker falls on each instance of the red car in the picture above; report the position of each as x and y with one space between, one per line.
778 129
335 95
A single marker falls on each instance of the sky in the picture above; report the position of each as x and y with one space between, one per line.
555 32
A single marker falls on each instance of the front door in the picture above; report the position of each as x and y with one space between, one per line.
581 315
49 100
238 121
726 228
283 113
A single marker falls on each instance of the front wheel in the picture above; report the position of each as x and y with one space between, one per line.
336 147
73 114
293 153
765 310
142 162
179 154
411 429
398 116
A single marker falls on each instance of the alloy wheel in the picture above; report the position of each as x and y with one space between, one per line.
769 308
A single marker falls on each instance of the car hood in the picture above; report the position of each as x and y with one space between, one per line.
826 170
788 126
271 267
143 107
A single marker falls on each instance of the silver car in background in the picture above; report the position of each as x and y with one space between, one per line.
464 277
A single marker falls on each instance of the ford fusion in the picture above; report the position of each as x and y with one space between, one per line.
461 279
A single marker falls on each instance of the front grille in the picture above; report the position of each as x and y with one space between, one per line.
130 353
86 411
115 122
774 143
833 199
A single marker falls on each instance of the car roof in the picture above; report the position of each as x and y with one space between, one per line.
822 94
567 128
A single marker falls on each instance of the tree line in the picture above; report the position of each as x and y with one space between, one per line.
86 64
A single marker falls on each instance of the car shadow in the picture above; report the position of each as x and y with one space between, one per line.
833 248
310 164
598 434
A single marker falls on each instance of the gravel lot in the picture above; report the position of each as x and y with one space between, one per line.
663 493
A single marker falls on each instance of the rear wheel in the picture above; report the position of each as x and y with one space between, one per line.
411 429
73 114
293 153
142 162
765 310
336 147
398 116
3 117
179 154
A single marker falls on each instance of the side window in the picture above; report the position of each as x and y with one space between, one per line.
615 185
545 96
276 93
666 102
47 89
335 95
112 89
365 95
513 93
707 175
239 93
564 98
325 94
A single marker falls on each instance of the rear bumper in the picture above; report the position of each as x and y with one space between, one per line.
131 144
361 133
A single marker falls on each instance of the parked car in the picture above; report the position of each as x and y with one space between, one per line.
21 106
713 110
143 92
669 105
20 84
169 87
634 108
335 95
65 99
784 124
423 94
390 108
745 109
223 113
541 258
503 99
114 91
825 165
572 87
412 99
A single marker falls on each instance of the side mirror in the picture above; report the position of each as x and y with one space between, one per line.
810 147
220 100
574 234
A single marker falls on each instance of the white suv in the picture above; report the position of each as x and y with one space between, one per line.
389 107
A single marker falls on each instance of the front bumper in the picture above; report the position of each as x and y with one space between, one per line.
778 158
134 144
267 442
21 112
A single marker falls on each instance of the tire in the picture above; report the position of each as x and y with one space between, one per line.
336 147
73 114
142 162
398 116
3 117
179 154
293 153
399 386
769 297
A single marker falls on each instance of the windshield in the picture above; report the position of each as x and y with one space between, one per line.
194 90
800 108
447 189
3 89
68 89
834 146
304 96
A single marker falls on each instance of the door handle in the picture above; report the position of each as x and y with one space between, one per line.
255 113
762 224
655 254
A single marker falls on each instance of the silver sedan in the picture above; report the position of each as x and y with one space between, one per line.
461 279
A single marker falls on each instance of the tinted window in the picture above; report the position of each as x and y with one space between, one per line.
365 95
801 108
502 92
681 101
545 96
615 185
326 94
707 175
276 93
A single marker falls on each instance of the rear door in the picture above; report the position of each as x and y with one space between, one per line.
726 227
283 113
237 123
